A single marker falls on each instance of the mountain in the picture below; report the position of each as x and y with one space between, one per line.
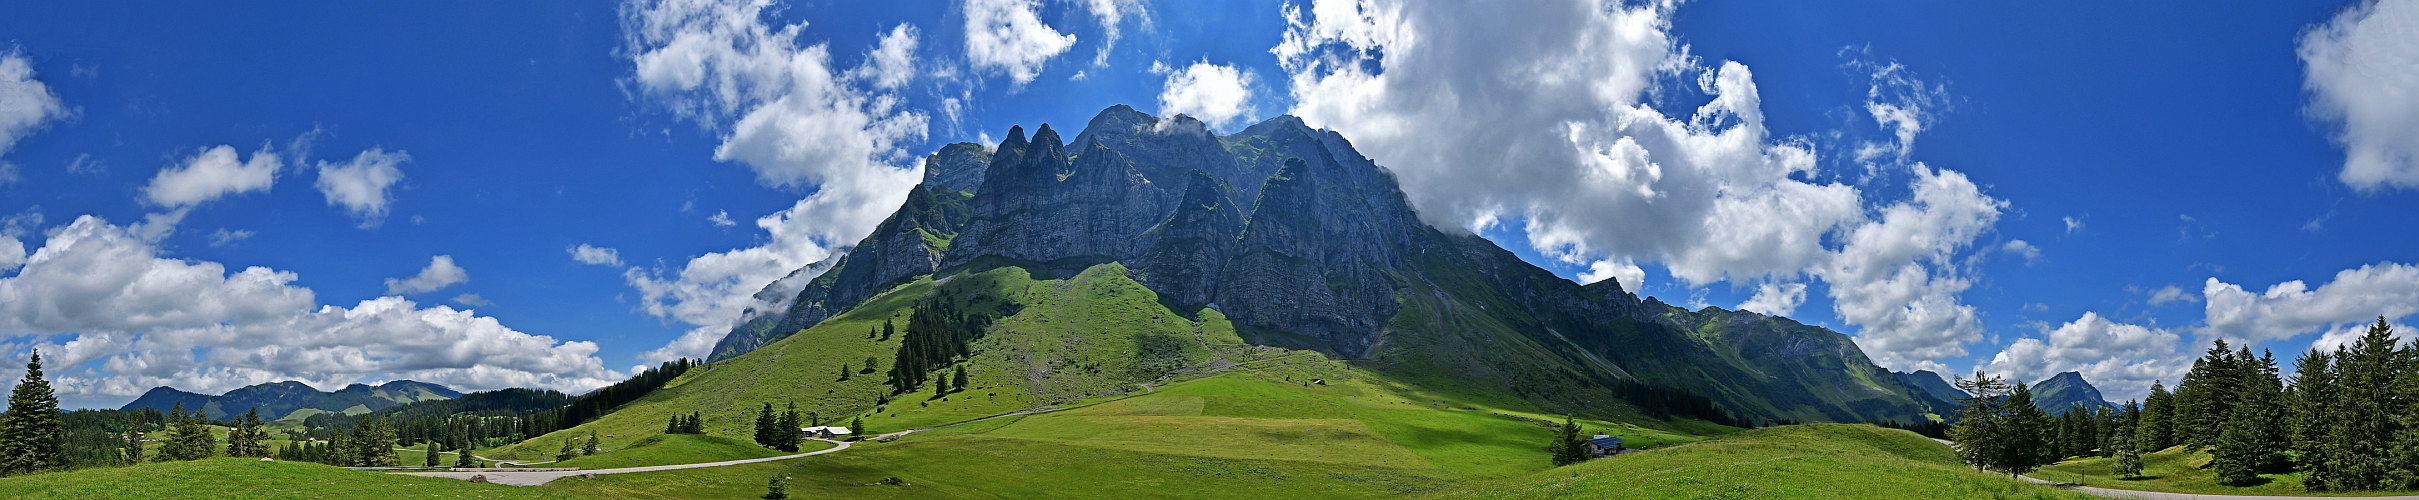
2067 390
291 399
1301 242
1933 386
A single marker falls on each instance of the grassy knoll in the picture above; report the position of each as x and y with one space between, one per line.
1803 461
249 478
2175 470
680 449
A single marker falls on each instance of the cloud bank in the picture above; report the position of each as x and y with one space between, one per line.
2359 69
788 112
1558 99
100 292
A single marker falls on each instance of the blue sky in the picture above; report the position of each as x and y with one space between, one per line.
488 195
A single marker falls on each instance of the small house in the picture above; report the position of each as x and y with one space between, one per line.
825 432
1603 445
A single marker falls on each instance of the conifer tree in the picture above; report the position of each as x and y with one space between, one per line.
374 443
2235 456
590 447
1977 434
463 459
2364 409
31 437
2157 420
764 426
844 371
430 458
872 364
959 380
133 445
245 439
2206 396
2023 447
940 386
2307 418
1566 449
2129 460
886 332
567 452
786 433
856 428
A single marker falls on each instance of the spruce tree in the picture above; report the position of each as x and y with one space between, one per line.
374 443
2307 417
1565 448
430 458
2129 460
133 445
886 332
764 426
1979 418
463 459
959 380
2206 396
2156 427
940 386
2364 409
2235 456
856 428
590 447
566 454
245 439
786 434
871 365
2023 446
31 437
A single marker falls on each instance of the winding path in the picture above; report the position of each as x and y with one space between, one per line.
534 478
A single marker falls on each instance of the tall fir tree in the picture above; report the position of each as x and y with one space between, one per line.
2129 459
2024 447
589 448
463 458
429 458
1979 419
2306 413
787 435
959 380
31 437
2365 425
2206 397
1565 448
2156 429
245 439
764 426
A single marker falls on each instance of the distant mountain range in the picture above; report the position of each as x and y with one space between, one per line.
1933 386
290 399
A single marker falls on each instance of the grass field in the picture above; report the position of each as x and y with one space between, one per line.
1797 462
249 478
2175 470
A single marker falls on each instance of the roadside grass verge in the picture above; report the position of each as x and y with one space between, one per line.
1821 461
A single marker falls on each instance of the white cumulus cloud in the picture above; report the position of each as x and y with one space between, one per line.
2121 359
1219 95
146 320
214 172
26 105
594 255
2354 299
1008 36
440 273
794 118
2360 69
364 185
1557 99
1776 299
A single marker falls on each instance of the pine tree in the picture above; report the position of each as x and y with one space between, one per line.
590 447
844 371
31 436
430 460
133 445
764 426
776 488
2307 417
2157 420
374 443
2129 460
2363 406
786 433
463 458
1566 449
856 428
886 332
2206 396
940 387
871 365
2023 444
2235 457
245 439
567 452
959 380
1977 434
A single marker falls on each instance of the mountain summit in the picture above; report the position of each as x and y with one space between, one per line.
1302 242
2066 391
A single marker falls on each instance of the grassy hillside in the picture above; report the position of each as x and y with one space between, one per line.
250 478
1801 461
2175 470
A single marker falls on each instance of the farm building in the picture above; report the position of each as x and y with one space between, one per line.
1603 445
824 432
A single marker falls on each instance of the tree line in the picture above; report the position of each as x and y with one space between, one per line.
939 333
2347 419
